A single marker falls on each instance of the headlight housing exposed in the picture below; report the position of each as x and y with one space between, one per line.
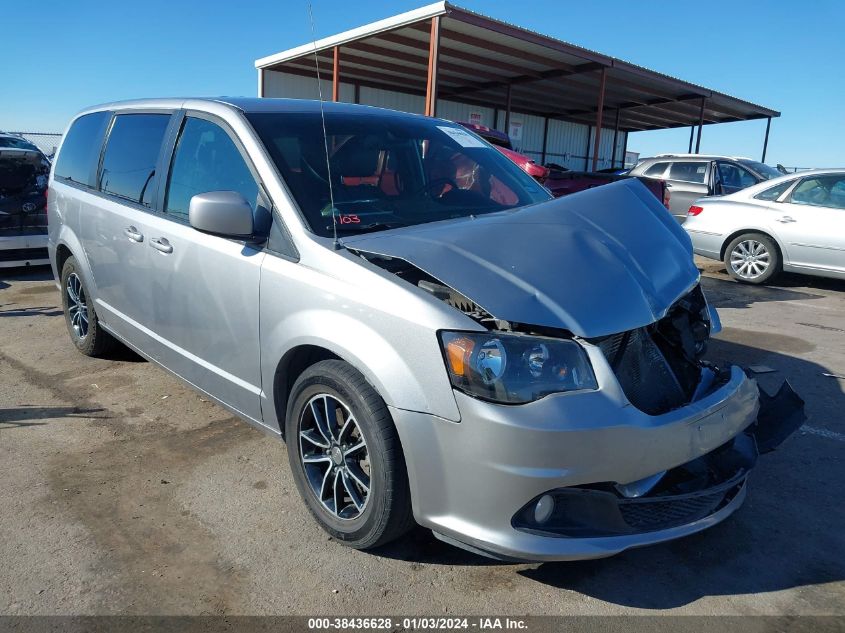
514 368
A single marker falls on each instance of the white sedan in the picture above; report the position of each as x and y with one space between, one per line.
794 223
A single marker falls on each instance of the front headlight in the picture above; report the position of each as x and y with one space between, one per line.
514 368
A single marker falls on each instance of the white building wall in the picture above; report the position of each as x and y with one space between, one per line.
393 100
290 86
454 111
566 142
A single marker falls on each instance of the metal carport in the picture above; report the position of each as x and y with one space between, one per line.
442 59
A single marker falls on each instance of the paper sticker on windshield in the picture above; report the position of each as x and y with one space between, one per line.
461 137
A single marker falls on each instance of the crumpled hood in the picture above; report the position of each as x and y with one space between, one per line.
598 262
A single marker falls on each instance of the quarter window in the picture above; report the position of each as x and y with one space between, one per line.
206 160
688 172
131 155
773 193
81 148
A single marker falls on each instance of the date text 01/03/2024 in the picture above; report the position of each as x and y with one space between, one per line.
417 623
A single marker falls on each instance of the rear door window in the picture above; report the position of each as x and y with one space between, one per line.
80 150
688 172
131 155
207 159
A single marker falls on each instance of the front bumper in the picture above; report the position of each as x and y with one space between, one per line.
469 479
23 250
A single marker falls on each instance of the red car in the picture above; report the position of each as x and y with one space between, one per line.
502 142
560 182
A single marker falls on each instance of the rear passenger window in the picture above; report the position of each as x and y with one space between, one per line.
688 172
80 149
131 155
206 160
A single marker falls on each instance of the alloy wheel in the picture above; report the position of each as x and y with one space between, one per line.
77 307
334 456
750 259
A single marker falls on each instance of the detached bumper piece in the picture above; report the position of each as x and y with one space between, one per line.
682 496
779 417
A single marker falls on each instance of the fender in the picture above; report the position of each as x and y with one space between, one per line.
388 369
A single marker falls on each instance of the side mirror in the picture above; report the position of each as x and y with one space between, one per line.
225 213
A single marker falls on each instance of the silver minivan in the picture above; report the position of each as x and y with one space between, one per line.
437 341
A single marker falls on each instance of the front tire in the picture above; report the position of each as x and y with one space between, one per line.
80 317
753 258
346 458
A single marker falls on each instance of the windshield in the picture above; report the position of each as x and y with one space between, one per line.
761 169
389 170
16 143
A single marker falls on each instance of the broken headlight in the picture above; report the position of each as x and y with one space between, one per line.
514 368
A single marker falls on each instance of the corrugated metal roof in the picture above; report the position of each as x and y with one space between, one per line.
481 58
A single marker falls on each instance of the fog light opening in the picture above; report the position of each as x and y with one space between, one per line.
543 509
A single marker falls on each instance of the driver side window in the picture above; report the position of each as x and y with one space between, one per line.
731 175
206 159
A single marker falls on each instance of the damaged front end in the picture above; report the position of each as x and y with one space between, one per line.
661 369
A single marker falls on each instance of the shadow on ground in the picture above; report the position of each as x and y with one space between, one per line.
34 273
723 291
22 416
49 311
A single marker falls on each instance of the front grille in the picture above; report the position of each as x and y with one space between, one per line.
642 371
653 514
586 512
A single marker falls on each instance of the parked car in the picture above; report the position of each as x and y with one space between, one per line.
502 142
794 223
434 336
24 171
691 176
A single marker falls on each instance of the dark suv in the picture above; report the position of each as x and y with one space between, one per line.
692 176
24 171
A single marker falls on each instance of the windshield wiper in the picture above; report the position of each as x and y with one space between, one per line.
363 228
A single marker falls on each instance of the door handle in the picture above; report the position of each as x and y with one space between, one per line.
786 219
132 233
161 244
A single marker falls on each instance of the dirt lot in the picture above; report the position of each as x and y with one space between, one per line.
127 493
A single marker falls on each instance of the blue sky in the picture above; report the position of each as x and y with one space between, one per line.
59 56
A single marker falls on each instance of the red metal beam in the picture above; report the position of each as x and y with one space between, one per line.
599 118
433 53
336 75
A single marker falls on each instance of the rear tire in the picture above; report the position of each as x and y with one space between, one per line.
346 458
81 319
752 258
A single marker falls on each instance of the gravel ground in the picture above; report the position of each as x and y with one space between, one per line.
127 493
